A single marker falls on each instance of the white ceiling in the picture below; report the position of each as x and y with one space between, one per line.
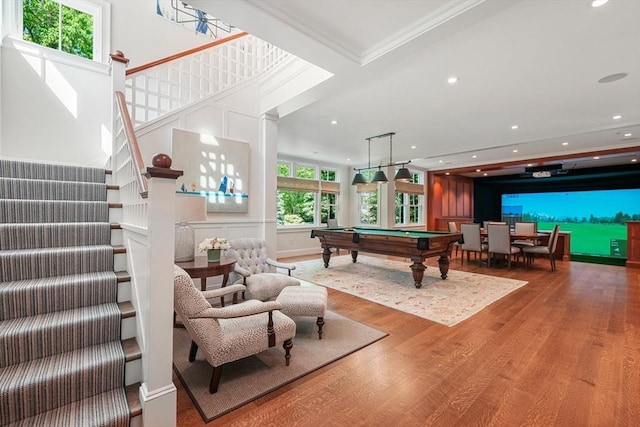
534 63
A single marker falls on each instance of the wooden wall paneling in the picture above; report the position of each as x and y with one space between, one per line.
450 199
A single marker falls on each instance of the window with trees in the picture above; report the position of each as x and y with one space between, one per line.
409 200
76 27
368 200
303 199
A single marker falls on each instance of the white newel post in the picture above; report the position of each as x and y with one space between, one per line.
157 393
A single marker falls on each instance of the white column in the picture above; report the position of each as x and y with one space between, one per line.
269 141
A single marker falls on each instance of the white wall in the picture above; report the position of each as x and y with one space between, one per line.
49 107
144 36
233 115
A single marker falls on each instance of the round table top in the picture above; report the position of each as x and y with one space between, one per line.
201 263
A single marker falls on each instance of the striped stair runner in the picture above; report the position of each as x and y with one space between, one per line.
61 356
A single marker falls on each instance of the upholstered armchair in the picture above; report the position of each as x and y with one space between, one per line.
257 271
228 333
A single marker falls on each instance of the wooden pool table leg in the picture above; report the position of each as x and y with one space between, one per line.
418 273
443 263
326 255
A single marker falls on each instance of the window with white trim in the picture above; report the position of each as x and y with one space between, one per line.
77 27
368 200
302 198
409 200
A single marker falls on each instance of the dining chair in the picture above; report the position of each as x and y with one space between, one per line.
525 229
471 241
453 228
499 242
549 249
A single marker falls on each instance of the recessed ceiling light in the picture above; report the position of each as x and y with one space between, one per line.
478 170
634 160
334 122
447 173
628 134
485 174
413 147
474 156
529 164
452 80
565 143
515 151
617 117
612 77
514 127
596 158
440 161
598 3
348 160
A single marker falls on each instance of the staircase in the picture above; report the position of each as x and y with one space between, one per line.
66 326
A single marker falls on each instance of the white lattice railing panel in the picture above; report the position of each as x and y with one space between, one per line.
159 90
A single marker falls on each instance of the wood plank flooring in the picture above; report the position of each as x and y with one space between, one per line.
564 350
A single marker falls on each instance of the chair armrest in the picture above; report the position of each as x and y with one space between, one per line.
224 291
238 310
284 265
241 271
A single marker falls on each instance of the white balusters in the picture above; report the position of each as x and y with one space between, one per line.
156 91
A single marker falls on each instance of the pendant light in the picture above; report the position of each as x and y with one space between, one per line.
379 177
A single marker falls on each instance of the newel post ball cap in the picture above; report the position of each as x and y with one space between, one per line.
161 160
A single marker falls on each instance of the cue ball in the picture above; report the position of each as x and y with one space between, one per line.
406 232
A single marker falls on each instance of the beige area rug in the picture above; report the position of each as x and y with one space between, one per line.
390 283
250 378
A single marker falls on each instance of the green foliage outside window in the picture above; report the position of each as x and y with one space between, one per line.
328 206
296 207
306 172
51 24
284 169
328 175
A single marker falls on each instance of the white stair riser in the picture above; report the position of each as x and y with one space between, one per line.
124 291
133 372
128 328
116 236
120 262
115 215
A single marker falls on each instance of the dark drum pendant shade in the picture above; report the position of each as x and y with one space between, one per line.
379 177
358 179
403 174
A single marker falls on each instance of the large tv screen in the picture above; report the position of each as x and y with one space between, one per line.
596 219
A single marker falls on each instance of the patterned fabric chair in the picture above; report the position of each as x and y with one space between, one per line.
228 333
257 271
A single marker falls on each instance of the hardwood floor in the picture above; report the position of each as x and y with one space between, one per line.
564 350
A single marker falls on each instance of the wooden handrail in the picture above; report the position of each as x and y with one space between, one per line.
183 54
132 143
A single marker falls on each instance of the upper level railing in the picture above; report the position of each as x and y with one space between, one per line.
166 85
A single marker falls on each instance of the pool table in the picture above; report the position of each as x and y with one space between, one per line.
415 245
